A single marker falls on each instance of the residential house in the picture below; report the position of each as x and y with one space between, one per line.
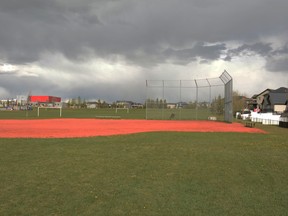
171 105
92 105
180 105
124 104
273 100
137 106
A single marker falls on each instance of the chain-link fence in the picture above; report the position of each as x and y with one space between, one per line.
197 99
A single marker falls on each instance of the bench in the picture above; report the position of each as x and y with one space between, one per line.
212 118
250 124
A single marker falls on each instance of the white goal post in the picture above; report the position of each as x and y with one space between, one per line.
122 108
60 109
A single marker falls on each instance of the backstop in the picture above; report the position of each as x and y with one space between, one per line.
198 99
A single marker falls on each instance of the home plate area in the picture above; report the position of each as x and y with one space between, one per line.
69 128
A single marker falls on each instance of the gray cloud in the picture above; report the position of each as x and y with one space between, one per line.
200 50
262 49
32 27
282 50
275 64
128 27
139 34
276 59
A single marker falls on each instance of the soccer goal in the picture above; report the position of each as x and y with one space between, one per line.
46 108
198 99
122 108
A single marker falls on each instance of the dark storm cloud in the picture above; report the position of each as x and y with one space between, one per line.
18 82
278 60
142 34
277 65
262 49
282 50
134 29
200 50
25 5
31 27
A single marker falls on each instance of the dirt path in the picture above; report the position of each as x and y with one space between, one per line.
64 128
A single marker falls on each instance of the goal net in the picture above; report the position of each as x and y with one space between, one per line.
48 111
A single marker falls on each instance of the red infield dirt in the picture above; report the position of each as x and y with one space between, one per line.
69 128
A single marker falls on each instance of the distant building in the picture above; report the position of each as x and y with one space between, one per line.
137 106
181 105
124 104
44 100
21 99
128 104
92 104
251 103
272 100
171 105
178 105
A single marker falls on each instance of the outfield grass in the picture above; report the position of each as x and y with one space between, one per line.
182 114
147 174
73 113
179 114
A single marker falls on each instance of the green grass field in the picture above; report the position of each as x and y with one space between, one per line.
74 113
180 114
146 174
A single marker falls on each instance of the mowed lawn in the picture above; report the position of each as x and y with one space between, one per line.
147 174
179 114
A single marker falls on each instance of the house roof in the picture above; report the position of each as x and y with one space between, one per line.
263 92
268 91
278 98
254 96
280 90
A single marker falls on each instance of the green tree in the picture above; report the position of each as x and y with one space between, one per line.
239 101
217 105
83 104
79 102
73 102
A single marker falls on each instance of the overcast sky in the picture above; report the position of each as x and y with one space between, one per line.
106 49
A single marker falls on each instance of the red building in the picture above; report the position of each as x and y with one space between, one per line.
44 99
